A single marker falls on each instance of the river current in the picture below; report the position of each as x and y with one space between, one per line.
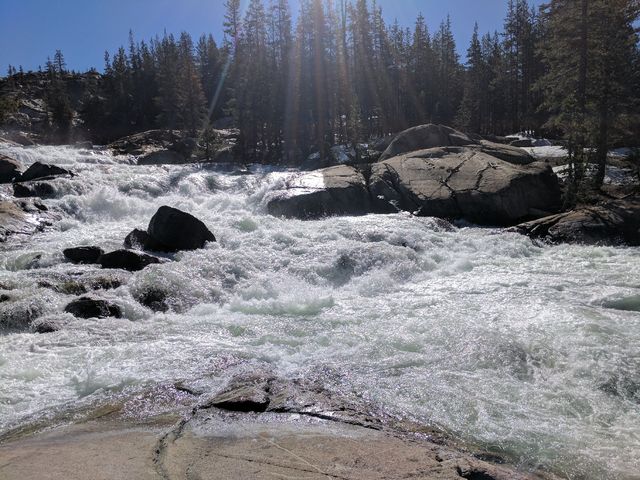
527 349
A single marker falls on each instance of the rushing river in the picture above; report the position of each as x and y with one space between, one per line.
527 349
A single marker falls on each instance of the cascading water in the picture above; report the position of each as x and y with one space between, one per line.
527 349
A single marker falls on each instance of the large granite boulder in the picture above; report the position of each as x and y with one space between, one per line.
615 222
9 169
447 182
176 230
423 137
465 182
340 190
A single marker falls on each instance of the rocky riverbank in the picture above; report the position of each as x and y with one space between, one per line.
258 426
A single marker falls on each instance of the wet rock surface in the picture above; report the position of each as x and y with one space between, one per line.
23 217
259 426
87 307
176 230
41 170
127 260
616 222
9 169
83 255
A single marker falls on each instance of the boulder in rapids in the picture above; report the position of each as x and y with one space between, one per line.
614 223
140 239
41 170
340 190
176 230
87 307
482 182
83 255
9 169
127 260
466 183
34 189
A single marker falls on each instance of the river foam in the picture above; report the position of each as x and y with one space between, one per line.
528 350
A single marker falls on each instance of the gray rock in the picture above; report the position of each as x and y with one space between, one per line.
162 157
87 307
9 169
424 137
176 230
611 223
41 170
464 182
127 260
243 398
340 190
83 255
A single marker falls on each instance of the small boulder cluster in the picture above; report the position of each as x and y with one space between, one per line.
35 181
170 230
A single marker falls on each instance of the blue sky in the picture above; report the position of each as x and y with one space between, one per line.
31 30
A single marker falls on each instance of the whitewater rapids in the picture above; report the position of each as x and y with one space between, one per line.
531 351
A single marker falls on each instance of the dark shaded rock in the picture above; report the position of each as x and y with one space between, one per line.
154 299
610 223
34 189
41 170
68 287
424 137
162 157
177 230
142 240
86 307
9 169
526 142
338 190
85 255
46 326
127 260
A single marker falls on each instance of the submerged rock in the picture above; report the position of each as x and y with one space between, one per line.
34 189
9 169
83 255
127 260
86 307
41 170
176 230
154 299
610 223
